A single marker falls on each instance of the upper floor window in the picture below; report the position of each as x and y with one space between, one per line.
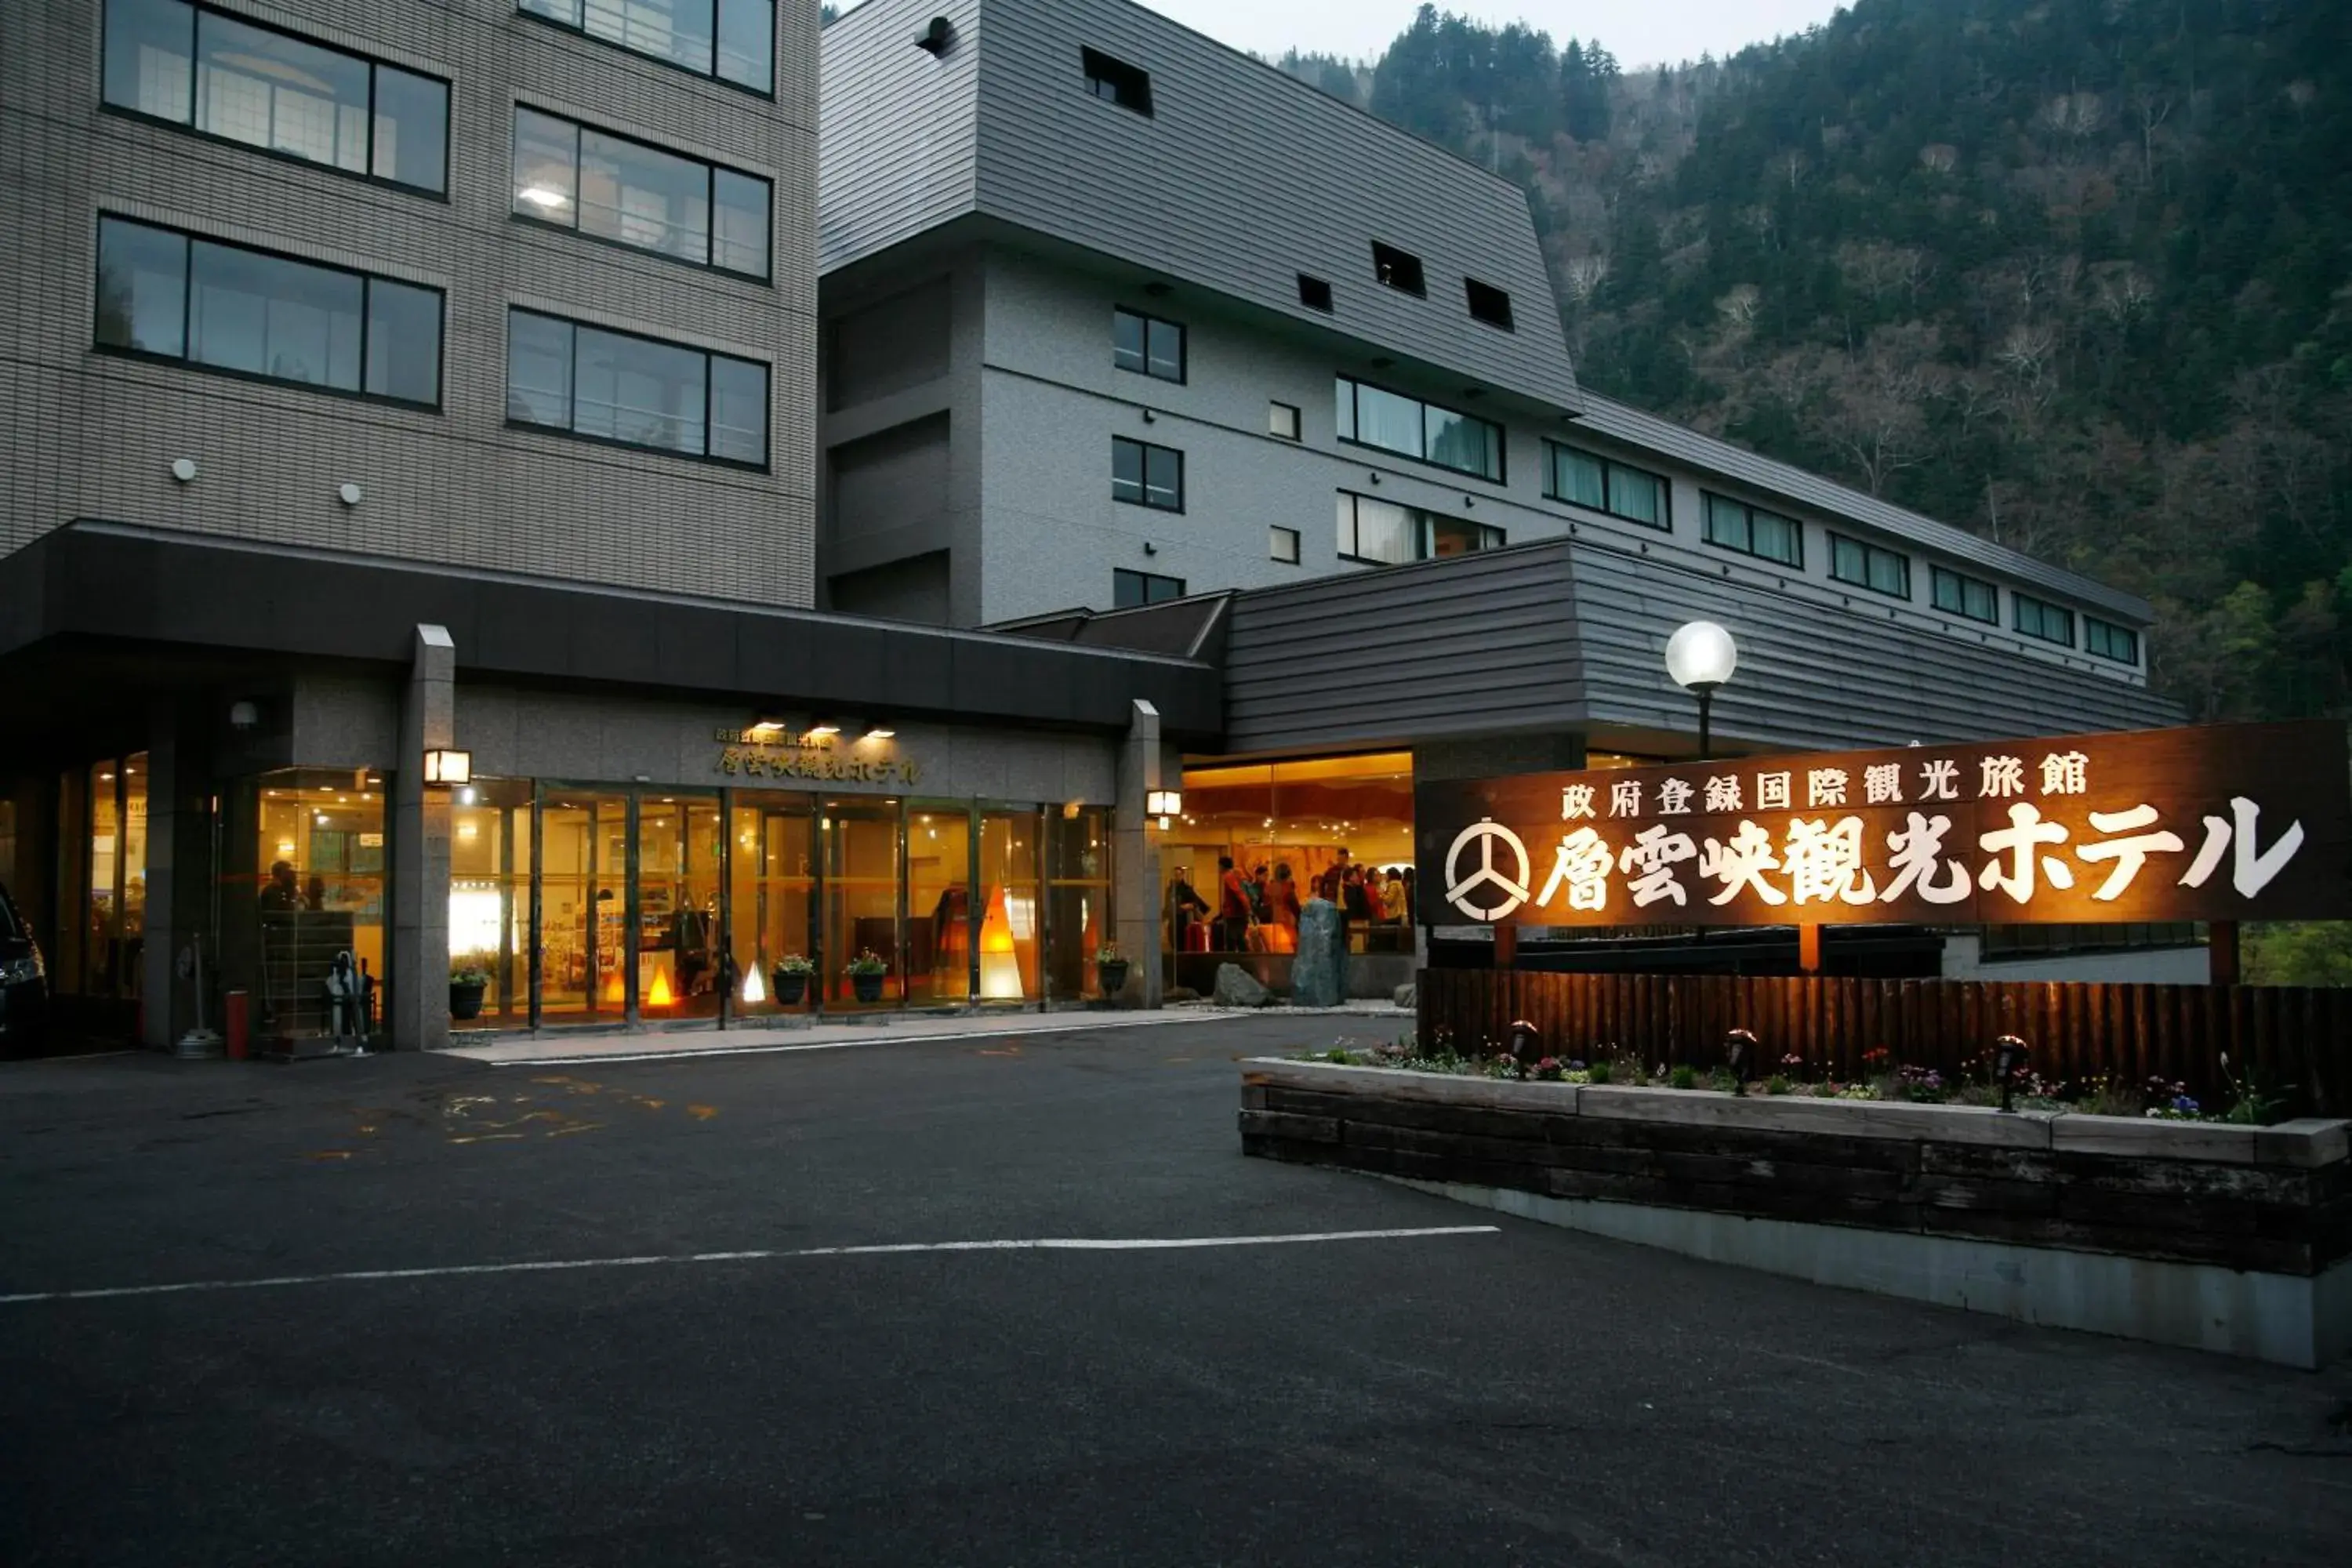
1117 82
1130 590
1488 304
1399 269
229 78
1382 533
2109 640
1371 417
2039 618
1869 566
1314 292
1147 345
733 40
1963 596
635 392
1753 532
1281 421
1145 475
1634 494
169 295
577 177
1282 544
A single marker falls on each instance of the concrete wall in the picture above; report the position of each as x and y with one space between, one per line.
98 433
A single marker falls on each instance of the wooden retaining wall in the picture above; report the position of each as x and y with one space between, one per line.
2297 1042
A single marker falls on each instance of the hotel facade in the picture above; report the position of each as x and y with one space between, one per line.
816 530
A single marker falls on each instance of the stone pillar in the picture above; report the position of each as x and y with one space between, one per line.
1134 858
167 999
417 1011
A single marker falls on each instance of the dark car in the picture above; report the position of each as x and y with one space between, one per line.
24 982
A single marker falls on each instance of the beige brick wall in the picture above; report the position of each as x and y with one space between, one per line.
93 436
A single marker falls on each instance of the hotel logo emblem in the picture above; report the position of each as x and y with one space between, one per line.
1487 833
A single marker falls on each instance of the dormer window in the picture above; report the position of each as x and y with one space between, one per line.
1400 270
1488 304
1128 85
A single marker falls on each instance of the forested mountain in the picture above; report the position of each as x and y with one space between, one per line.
2075 274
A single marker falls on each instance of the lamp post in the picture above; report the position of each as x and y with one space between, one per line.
1700 657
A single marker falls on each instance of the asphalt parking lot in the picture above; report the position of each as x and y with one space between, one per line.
733 1311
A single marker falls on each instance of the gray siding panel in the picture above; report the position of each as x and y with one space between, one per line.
897 133
1649 433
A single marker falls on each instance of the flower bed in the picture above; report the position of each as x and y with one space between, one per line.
1883 1079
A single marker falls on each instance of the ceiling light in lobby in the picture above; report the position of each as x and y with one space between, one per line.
545 197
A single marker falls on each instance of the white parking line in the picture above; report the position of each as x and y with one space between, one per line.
755 1254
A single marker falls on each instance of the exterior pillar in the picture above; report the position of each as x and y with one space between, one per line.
165 998
1135 859
417 1006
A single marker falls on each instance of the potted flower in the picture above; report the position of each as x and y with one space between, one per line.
467 982
1110 969
790 979
866 972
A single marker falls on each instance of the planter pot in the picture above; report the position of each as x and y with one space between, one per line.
1111 977
465 1001
866 987
789 986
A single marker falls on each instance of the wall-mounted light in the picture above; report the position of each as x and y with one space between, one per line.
242 716
448 767
1150 417
349 494
183 470
1167 805
822 728
878 732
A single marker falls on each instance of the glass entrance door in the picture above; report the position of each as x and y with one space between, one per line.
1011 924
860 853
771 894
676 945
939 905
583 896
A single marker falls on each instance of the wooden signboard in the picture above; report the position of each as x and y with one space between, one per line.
2213 823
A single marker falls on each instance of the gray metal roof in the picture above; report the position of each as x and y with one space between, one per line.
1241 178
1648 433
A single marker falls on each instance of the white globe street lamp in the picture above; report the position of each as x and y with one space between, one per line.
1701 657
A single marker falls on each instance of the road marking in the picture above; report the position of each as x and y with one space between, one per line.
755 1254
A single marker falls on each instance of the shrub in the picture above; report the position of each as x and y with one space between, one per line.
1597 1073
1683 1077
1778 1084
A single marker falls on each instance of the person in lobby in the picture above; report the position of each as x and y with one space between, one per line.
281 894
1334 878
1281 908
1185 908
1393 898
1233 907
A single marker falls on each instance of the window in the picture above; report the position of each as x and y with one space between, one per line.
1116 81
1144 475
576 177
1282 544
732 41
1282 420
1130 589
635 392
229 78
2109 640
1315 293
1371 417
1382 533
1400 270
1753 531
2039 618
1868 566
172 296
1147 345
1962 595
1634 494
1488 304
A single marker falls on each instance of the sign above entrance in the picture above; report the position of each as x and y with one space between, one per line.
2215 822
765 754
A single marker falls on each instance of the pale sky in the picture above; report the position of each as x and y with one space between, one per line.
1646 33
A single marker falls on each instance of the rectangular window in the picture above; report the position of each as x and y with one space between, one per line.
1869 566
1400 270
1130 589
635 392
1962 595
2109 640
1282 420
576 177
2039 618
1116 81
1583 479
228 306
1373 416
1315 293
1753 532
241 81
1282 544
1147 345
1145 475
731 40
1488 304
1382 533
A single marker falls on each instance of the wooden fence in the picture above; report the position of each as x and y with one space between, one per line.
2296 1042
